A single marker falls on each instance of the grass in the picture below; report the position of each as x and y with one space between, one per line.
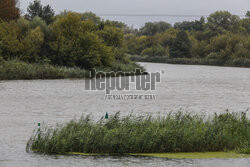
176 132
16 70
239 62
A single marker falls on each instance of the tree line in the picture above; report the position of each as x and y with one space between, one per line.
86 41
221 39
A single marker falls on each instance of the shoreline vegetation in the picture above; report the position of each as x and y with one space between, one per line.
180 155
19 70
43 45
144 135
193 61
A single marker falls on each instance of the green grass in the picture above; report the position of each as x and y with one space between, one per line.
178 132
16 70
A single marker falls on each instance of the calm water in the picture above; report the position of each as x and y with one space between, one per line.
201 89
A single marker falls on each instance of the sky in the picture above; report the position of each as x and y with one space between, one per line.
146 7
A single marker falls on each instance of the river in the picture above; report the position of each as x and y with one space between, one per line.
197 89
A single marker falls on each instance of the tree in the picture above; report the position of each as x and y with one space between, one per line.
196 25
248 14
91 16
9 10
77 44
222 20
156 50
180 47
153 28
36 9
112 36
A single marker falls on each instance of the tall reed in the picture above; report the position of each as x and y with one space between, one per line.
176 132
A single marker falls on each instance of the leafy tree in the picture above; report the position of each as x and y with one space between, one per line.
248 14
153 28
245 23
9 43
112 36
222 20
9 10
180 47
197 25
76 43
24 25
167 37
156 50
91 16
31 46
37 9
117 24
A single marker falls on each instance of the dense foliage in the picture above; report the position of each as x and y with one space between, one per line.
83 40
179 132
13 70
224 39
75 40
9 10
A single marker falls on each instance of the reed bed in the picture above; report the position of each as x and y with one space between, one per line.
175 132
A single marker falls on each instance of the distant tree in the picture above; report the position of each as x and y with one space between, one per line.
153 28
91 16
156 50
222 20
248 14
246 22
9 10
180 47
115 24
36 9
196 25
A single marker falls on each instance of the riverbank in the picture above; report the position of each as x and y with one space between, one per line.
178 132
18 70
181 155
193 61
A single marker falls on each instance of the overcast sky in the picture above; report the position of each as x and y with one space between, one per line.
172 7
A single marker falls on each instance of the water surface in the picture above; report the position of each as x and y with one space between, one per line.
198 89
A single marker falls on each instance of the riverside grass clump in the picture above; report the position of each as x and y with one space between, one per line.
15 69
176 132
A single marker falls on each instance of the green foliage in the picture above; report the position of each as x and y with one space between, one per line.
9 10
13 70
180 46
76 43
153 28
112 36
36 9
175 132
245 23
222 20
156 50
222 40
197 25
89 16
248 14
